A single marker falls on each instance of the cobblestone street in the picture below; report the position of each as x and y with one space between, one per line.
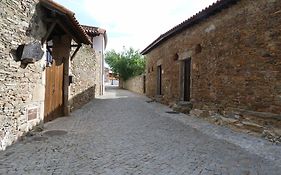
121 133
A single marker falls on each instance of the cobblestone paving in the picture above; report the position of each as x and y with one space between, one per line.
120 133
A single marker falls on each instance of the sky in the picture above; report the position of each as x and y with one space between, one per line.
133 23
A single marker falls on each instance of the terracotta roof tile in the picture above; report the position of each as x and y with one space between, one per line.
52 5
91 30
95 31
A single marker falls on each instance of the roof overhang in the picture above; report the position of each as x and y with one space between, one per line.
57 15
96 31
207 12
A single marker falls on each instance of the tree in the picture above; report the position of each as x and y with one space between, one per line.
126 64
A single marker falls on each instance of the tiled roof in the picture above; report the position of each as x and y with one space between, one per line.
77 28
95 31
205 13
91 30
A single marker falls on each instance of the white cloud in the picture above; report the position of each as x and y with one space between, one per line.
138 23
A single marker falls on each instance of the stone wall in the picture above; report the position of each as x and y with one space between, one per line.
85 69
135 84
236 64
21 89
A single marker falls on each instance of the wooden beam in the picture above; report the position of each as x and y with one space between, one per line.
50 20
75 45
48 32
65 29
75 52
49 49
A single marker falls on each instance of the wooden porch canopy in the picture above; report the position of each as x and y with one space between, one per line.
60 21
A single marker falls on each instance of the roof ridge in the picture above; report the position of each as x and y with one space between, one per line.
204 13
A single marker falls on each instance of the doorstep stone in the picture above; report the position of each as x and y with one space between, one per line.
183 107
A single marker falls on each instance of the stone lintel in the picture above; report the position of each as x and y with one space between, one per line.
185 55
159 62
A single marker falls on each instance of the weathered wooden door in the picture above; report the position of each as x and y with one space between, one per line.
186 79
54 91
159 80
144 86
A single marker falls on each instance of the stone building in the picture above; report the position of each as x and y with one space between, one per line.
35 57
87 69
224 61
99 39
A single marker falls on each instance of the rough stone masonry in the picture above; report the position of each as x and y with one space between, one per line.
21 89
235 65
85 69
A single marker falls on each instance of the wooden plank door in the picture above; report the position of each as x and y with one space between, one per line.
54 93
144 86
159 80
186 79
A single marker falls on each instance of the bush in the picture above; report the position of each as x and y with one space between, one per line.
127 64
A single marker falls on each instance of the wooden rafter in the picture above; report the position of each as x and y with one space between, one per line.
75 52
67 31
50 30
73 45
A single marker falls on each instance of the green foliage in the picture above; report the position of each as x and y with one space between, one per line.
126 64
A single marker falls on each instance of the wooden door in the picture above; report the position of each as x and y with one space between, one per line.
144 86
159 80
54 92
186 79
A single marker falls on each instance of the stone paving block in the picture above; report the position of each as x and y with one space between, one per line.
120 133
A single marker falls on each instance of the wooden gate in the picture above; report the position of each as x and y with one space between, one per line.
54 91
